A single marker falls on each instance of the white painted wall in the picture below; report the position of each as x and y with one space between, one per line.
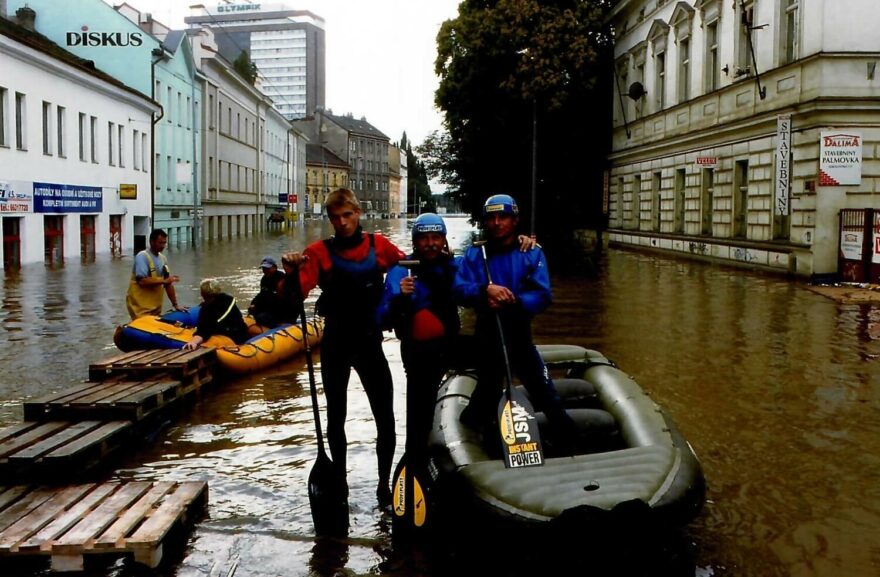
41 78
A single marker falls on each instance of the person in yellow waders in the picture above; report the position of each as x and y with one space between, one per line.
149 275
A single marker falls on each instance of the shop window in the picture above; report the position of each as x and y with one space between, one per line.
87 237
12 243
53 233
116 235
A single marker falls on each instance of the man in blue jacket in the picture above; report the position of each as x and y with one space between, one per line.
418 305
519 290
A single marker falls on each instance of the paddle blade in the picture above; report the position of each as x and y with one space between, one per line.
328 498
520 439
409 495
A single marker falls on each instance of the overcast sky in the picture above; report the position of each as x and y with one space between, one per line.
380 56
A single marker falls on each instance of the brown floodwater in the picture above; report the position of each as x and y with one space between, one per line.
775 387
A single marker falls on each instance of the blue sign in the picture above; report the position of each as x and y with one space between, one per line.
282 198
67 198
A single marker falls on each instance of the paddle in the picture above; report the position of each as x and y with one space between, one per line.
408 494
520 439
328 491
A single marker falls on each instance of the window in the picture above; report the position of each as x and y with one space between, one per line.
111 140
679 200
4 97
211 111
144 151
660 80
61 130
745 38
656 199
711 61
707 201
684 69
741 199
168 105
93 134
180 111
20 121
82 136
121 145
789 29
47 128
135 152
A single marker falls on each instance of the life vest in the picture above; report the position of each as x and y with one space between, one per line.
351 290
146 300
436 313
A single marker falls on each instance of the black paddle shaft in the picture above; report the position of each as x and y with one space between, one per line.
312 387
500 327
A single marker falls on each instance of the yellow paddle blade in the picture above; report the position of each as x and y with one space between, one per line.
508 435
421 509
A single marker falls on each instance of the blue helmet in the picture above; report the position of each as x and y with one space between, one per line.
500 203
428 222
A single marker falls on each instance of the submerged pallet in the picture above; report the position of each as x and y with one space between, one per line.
32 450
109 518
187 366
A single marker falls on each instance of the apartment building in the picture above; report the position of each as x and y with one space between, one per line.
745 129
74 154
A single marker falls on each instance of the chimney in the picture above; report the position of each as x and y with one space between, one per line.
25 17
2 8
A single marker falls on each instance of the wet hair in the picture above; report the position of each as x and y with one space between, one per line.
156 233
210 287
342 197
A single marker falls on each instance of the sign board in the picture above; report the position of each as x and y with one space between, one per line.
783 165
14 197
851 242
128 191
282 198
63 198
840 159
707 161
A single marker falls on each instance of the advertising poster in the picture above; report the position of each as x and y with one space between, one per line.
64 198
840 159
14 197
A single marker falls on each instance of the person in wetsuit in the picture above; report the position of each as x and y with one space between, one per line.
349 269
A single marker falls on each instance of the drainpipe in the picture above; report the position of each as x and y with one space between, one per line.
157 55
195 163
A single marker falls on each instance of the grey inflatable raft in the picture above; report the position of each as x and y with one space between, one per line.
629 449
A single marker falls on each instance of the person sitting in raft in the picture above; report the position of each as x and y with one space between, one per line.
266 307
219 316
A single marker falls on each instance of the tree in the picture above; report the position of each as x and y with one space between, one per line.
245 67
438 155
503 64
417 188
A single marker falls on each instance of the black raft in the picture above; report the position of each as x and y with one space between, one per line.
627 452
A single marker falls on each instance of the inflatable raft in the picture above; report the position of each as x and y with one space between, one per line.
627 451
174 329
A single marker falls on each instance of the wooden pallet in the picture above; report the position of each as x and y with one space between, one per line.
32 449
187 366
110 518
113 399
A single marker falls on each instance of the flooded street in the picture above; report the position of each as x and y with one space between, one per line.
775 387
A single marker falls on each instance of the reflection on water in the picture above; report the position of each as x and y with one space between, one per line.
775 387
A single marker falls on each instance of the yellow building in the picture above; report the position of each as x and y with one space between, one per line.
325 172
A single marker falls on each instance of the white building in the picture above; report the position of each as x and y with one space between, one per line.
286 45
74 154
254 160
742 128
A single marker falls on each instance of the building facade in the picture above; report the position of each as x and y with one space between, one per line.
286 45
363 147
74 154
395 208
326 172
742 129
122 43
254 159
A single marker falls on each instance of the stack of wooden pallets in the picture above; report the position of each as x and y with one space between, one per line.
67 434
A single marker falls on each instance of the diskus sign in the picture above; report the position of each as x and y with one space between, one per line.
87 38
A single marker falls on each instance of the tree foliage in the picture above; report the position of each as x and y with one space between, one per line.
418 191
245 67
503 64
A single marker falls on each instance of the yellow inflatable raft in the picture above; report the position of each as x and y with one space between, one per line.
173 330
